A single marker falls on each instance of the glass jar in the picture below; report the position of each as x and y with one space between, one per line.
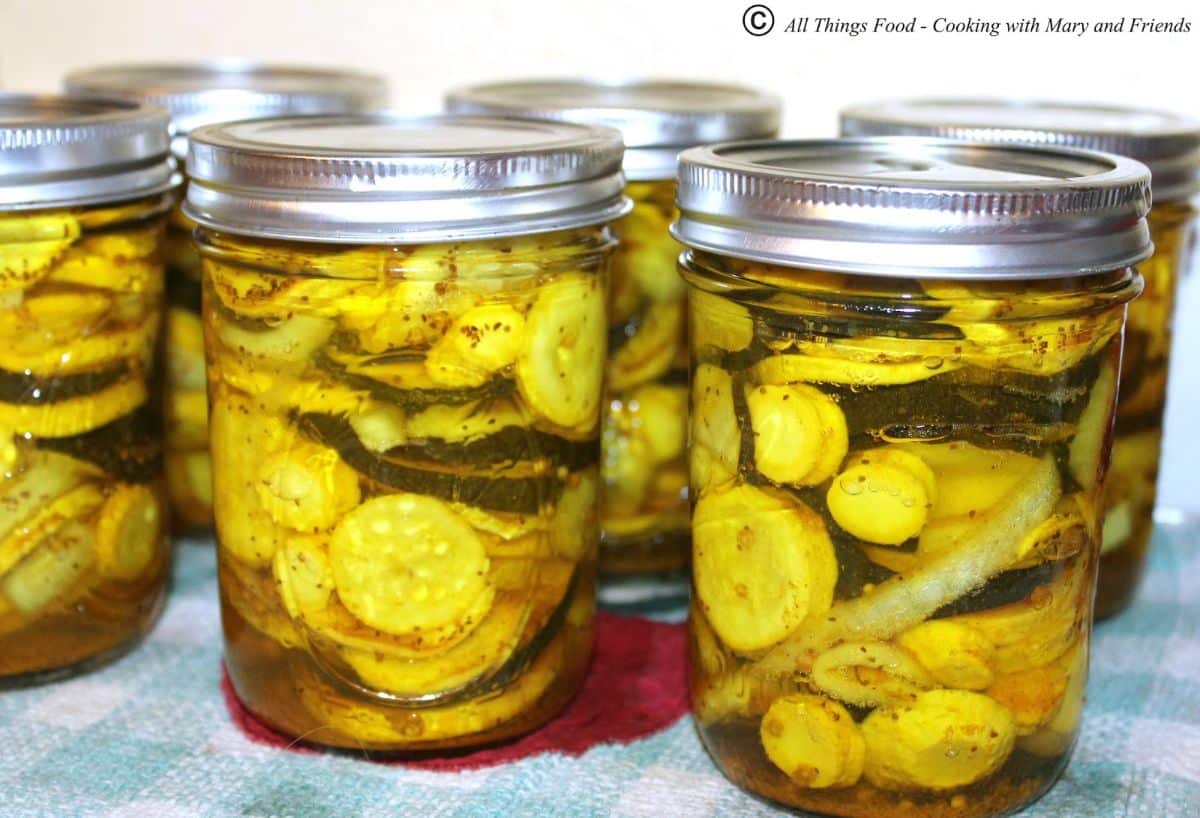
84 188
198 94
644 524
900 423
1170 146
405 383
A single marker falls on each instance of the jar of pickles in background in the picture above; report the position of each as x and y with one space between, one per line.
198 94
1170 146
405 337
904 369
84 191
645 519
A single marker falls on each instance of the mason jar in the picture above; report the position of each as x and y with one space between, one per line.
644 524
197 94
1170 145
405 338
904 369
84 190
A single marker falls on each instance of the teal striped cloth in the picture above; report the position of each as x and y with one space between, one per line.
149 736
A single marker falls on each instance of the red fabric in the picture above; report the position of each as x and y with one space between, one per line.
635 686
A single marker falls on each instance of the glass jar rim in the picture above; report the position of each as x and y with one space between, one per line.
1058 297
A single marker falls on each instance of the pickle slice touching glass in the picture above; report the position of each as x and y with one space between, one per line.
560 367
814 741
30 244
946 739
407 562
128 531
763 564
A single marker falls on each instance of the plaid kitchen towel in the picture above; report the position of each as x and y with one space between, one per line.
149 736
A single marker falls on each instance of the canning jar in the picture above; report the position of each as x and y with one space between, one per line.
84 189
904 367
644 525
1170 146
404 327
198 94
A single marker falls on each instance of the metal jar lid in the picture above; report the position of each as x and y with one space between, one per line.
202 93
1169 144
914 207
385 178
67 151
657 118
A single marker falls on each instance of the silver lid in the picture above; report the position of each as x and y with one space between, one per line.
67 151
386 178
1169 144
202 93
657 118
916 207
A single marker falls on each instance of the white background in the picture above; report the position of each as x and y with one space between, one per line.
425 47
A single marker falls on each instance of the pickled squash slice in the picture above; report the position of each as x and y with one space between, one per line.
481 342
51 569
763 564
560 367
404 563
883 496
242 436
29 245
944 740
848 364
716 437
813 741
800 434
649 353
127 535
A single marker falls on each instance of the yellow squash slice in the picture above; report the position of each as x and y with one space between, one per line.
71 506
955 654
404 563
652 349
561 365
1095 424
290 342
884 496
763 563
306 487
57 563
716 437
574 527
185 350
718 322
75 416
480 343
304 574
944 740
29 245
128 534
848 364
814 741
243 436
